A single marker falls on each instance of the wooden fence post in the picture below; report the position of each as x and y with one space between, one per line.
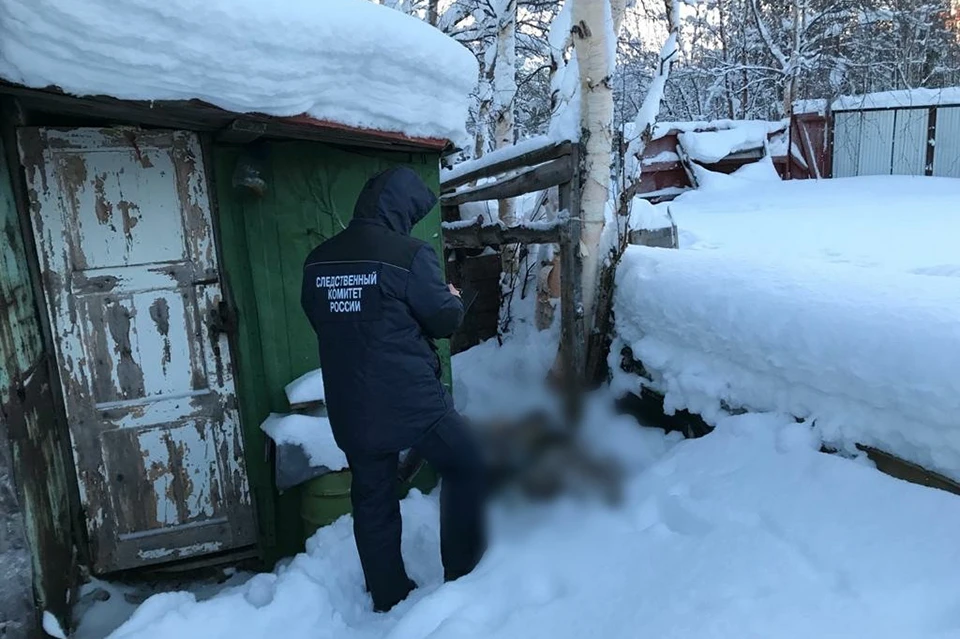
572 339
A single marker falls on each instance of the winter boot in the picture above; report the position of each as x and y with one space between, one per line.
386 606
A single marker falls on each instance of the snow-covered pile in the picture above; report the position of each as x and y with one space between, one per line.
749 532
312 433
346 61
710 142
833 300
872 360
712 146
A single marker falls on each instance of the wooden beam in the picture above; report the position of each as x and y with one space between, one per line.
531 158
195 115
536 179
241 132
478 236
908 471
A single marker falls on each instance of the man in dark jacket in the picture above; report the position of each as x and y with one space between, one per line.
377 299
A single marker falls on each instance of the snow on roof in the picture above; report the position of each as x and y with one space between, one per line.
351 62
899 99
766 126
713 146
814 105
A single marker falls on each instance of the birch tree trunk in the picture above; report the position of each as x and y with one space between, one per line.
484 104
548 280
798 15
598 340
593 42
504 109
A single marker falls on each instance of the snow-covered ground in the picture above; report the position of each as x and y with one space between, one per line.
749 532
896 222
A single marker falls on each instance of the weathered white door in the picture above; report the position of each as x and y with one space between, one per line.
122 224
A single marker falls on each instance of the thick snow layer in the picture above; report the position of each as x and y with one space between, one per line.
500 155
870 358
902 223
749 532
712 146
902 98
306 388
102 607
663 128
312 433
347 61
644 215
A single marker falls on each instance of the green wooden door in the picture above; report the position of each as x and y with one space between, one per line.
311 191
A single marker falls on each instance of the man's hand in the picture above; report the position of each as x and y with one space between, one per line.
453 290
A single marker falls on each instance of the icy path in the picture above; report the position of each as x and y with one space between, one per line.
749 532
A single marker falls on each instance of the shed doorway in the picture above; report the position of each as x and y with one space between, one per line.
122 223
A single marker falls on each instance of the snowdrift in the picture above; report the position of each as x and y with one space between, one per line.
346 61
870 357
896 222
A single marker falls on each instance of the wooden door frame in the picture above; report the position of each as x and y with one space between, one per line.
12 117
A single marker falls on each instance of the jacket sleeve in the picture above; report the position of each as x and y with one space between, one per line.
438 311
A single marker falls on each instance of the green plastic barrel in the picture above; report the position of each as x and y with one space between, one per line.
325 499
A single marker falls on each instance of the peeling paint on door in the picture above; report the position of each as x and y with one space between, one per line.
122 224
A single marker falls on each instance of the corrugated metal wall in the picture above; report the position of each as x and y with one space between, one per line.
36 520
946 157
846 144
910 141
311 191
896 142
876 142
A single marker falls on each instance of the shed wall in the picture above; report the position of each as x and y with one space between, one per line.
311 191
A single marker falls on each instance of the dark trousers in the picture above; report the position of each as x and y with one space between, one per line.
449 448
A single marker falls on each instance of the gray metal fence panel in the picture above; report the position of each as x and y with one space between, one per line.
846 144
910 141
876 143
946 152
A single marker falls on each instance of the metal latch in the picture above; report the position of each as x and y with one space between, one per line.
222 319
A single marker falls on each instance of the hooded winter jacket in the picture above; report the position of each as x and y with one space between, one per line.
376 299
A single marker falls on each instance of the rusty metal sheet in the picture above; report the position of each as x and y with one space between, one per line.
122 223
